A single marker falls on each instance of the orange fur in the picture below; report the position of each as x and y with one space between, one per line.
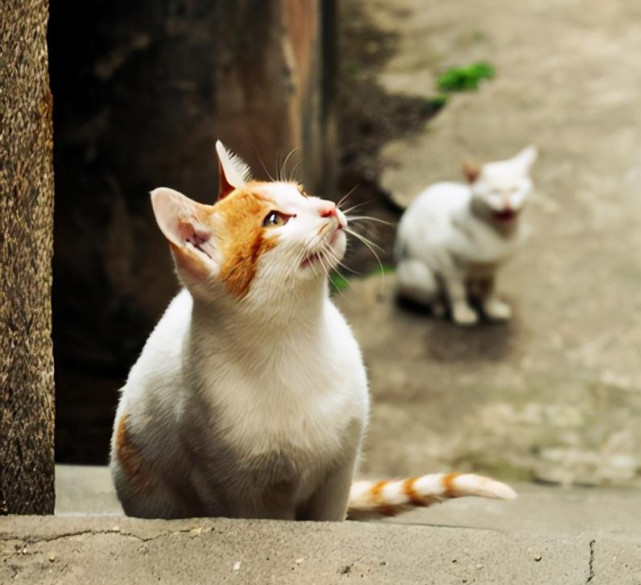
377 496
129 455
448 484
243 242
411 493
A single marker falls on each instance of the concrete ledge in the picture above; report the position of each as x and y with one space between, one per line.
99 550
547 536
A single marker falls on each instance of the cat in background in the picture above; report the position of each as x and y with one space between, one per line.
453 238
250 397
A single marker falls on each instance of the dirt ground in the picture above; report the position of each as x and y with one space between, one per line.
555 395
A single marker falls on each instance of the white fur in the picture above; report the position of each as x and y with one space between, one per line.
236 170
253 406
451 242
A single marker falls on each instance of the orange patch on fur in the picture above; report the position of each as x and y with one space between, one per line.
448 484
376 494
243 241
129 455
377 489
411 493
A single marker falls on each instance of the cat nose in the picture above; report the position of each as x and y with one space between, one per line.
330 211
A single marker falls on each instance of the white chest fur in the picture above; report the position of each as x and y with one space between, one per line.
292 389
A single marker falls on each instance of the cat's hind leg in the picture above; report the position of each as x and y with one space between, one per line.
417 282
142 493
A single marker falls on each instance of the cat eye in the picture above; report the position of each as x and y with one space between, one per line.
276 219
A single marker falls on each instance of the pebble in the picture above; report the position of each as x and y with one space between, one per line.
237 566
52 557
537 558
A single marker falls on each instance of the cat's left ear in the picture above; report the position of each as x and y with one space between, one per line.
186 225
471 171
233 172
526 158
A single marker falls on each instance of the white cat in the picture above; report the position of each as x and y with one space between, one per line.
250 397
453 237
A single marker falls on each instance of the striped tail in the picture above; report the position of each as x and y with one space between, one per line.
372 499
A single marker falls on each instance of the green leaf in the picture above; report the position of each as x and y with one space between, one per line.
338 282
465 78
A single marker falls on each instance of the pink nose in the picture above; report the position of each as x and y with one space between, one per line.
329 211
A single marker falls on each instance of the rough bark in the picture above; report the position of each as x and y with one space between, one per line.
26 233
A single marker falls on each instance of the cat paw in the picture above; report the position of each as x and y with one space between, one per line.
464 315
497 310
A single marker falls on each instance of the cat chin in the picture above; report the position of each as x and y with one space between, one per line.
330 256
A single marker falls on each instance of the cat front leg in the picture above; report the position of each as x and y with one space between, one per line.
329 500
462 313
493 307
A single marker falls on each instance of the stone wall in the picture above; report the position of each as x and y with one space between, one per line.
142 91
26 229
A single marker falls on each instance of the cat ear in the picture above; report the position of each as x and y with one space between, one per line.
526 158
184 223
471 170
233 172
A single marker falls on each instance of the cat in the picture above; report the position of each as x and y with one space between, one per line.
453 238
250 397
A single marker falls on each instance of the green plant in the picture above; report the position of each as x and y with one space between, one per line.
465 78
384 269
338 282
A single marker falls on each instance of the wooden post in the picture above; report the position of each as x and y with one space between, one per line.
26 244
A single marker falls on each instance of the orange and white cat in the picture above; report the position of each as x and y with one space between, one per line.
250 396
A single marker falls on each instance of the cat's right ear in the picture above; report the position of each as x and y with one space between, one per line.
186 225
471 170
233 172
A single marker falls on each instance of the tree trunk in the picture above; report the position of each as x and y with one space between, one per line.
26 243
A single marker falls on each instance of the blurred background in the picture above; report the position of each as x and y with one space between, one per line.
382 97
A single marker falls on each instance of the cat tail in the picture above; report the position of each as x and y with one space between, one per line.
373 499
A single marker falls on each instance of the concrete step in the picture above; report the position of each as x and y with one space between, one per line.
547 536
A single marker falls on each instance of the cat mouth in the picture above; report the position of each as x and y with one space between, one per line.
325 253
505 215
311 260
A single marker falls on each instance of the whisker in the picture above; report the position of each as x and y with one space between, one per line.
369 218
353 207
344 197
262 163
292 174
283 167
363 239
320 261
342 264
370 245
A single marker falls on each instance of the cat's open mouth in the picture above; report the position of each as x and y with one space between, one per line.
505 215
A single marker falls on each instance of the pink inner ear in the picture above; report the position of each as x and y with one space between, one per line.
189 233
224 187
